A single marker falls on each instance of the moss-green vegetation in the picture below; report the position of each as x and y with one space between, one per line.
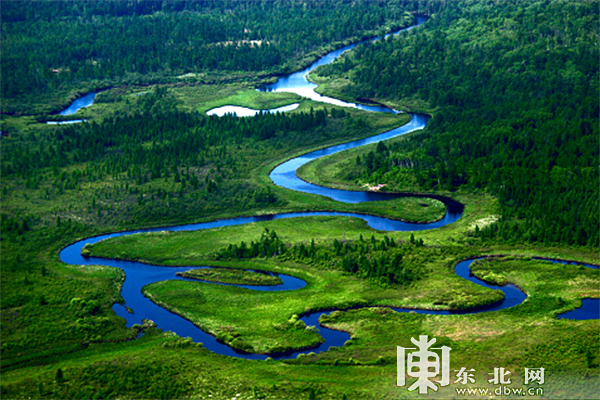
270 328
194 248
433 283
328 286
250 98
551 288
45 208
50 309
268 325
232 276
481 341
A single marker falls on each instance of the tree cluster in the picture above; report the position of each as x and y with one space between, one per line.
152 161
269 245
378 260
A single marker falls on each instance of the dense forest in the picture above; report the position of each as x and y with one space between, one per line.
48 46
159 160
515 89
159 138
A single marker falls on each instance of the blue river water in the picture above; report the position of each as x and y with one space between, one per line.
137 275
589 310
298 82
81 102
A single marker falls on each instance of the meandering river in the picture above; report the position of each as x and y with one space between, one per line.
139 275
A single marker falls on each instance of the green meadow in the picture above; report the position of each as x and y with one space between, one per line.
232 276
526 336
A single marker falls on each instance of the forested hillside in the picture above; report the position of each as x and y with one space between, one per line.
48 46
515 89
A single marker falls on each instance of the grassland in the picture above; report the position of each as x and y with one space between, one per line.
341 171
437 287
525 336
39 218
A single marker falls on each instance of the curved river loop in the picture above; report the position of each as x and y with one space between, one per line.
139 274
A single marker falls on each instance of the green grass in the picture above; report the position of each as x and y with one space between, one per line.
524 336
341 171
511 338
195 248
552 288
247 97
438 286
356 371
88 367
33 331
268 325
337 170
50 309
264 329
232 276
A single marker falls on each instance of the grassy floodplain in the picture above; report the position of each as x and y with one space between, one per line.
443 248
438 287
483 340
341 171
232 276
371 331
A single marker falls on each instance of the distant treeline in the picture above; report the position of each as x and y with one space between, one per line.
516 89
48 45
